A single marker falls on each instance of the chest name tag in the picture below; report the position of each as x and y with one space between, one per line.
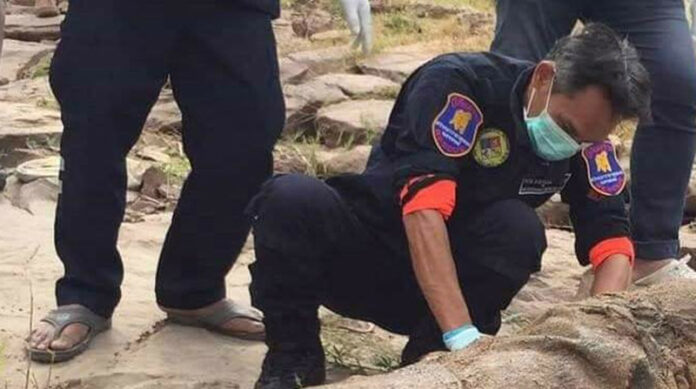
603 170
542 186
455 127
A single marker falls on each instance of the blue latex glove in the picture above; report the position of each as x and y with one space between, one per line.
461 337
357 14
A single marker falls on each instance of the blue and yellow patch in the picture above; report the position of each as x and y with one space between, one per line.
455 127
603 170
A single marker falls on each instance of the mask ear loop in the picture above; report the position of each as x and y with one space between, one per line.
548 97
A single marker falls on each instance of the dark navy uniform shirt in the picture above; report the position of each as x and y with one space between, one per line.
272 7
480 95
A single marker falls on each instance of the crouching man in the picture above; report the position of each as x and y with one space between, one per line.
439 233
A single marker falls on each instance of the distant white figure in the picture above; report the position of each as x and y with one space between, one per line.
692 10
357 13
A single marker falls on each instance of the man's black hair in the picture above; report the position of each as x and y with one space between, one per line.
598 56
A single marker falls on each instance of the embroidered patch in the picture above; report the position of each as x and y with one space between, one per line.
543 186
603 170
455 128
492 148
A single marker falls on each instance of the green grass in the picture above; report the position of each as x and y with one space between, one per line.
177 169
42 68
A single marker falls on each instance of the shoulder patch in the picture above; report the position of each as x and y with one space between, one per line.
492 148
603 170
455 127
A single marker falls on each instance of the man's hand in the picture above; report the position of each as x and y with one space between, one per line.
435 269
613 275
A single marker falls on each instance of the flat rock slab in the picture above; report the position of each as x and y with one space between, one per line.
324 60
18 55
352 122
304 100
292 71
27 126
358 85
26 27
396 66
31 90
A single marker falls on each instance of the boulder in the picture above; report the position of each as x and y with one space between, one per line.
642 339
26 27
310 21
352 122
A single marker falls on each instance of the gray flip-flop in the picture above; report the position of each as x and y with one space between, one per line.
215 320
62 317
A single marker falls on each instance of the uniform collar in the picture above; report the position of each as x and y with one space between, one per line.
517 104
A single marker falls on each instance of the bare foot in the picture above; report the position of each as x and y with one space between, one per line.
43 336
240 324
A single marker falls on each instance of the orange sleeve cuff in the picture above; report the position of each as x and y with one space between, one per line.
608 247
440 196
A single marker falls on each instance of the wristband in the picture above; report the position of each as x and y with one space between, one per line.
461 337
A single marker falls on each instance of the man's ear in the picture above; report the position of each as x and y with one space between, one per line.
543 74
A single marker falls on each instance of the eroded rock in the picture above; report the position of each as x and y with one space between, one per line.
642 339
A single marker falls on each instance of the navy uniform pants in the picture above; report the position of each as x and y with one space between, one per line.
112 61
312 250
663 150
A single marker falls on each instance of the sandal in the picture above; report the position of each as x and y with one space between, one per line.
215 320
62 317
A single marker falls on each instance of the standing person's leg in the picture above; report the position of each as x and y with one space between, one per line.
495 250
663 151
225 79
106 74
527 29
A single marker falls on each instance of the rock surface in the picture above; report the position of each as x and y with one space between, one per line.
27 126
352 122
643 339
396 66
361 85
16 55
26 27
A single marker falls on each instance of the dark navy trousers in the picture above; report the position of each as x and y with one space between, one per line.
663 150
313 250
112 61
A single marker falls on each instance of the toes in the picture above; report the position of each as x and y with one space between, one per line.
40 335
71 336
244 325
